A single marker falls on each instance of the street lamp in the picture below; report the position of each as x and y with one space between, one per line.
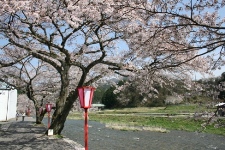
48 108
85 95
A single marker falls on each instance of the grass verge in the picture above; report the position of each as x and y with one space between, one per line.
130 119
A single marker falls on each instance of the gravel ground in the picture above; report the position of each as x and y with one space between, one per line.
102 138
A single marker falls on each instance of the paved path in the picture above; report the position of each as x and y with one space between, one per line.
102 138
25 135
19 135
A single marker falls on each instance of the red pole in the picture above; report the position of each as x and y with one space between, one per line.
48 120
86 130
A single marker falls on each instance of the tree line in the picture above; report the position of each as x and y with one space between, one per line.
202 91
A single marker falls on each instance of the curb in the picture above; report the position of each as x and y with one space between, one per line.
74 144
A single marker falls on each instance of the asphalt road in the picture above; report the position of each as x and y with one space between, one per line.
102 138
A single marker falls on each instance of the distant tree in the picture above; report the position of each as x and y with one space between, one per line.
98 95
99 92
221 84
109 99
38 81
130 96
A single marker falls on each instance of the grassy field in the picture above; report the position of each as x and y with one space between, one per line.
171 109
163 119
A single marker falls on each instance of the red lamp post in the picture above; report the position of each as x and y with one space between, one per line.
48 108
85 95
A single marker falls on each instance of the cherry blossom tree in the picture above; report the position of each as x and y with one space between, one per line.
86 41
37 80
188 29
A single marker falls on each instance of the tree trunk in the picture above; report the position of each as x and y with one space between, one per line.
61 113
65 102
39 116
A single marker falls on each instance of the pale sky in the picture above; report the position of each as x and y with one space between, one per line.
216 73
219 72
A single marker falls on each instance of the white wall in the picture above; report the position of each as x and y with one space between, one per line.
8 104
12 103
3 104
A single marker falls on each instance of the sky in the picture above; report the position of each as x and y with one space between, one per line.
216 73
219 72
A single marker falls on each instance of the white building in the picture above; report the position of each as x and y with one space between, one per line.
8 104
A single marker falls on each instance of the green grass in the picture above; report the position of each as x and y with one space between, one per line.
58 136
171 109
168 123
131 117
186 124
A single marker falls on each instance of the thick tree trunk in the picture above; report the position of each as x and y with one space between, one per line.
65 102
61 113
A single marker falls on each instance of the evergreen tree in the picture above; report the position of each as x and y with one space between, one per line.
109 99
